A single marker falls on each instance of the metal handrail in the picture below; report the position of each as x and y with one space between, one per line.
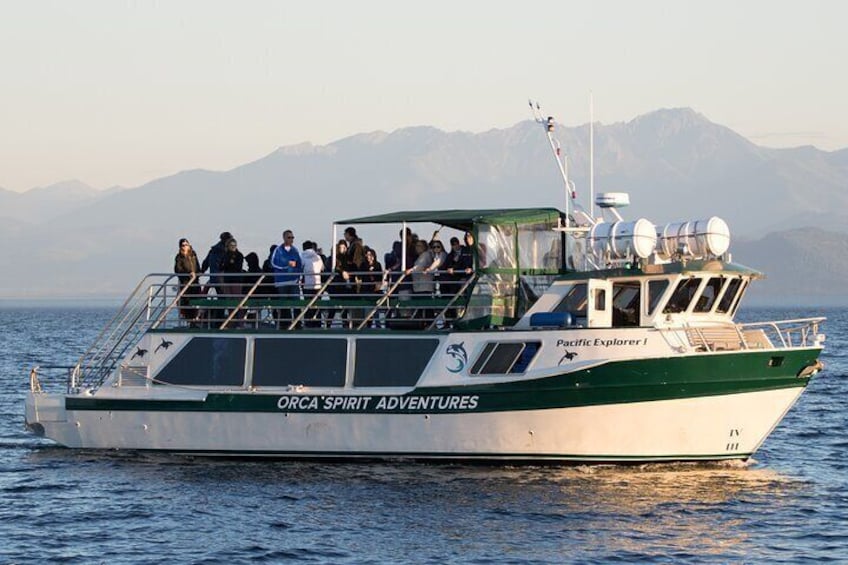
460 292
806 328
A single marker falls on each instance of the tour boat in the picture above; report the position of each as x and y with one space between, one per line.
576 337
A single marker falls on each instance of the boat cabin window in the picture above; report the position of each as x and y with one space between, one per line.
739 295
682 296
207 361
391 362
708 295
499 358
574 301
600 299
302 361
729 295
625 303
656 289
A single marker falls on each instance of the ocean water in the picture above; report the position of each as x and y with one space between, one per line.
58 505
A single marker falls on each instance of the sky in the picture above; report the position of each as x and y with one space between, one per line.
123 92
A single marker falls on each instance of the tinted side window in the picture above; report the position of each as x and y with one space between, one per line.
708 296
682 296
574 301
656 289
505 358
209 361
392 362
729 295
301 361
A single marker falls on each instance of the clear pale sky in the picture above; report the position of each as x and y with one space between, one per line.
120 93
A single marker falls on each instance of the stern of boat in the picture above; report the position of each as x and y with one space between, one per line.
44 408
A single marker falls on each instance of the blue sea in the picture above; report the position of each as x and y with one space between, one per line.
58 505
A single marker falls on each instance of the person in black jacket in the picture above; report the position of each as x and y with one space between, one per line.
186 265
232 262
212 262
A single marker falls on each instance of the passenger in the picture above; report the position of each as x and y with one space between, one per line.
355 257
186 265
341 285
254 273
372 277
313 265
422 276
232 264
212 262
267 288
459 266
439 257
288 267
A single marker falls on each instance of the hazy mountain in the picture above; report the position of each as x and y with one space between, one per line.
806 264
42 204
676 164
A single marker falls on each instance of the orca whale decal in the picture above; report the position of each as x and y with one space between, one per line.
457 351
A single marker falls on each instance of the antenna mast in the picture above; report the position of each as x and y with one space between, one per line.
562 163
591 155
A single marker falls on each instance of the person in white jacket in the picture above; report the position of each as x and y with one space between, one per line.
313 265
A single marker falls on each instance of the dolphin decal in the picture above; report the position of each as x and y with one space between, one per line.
139 353
164 345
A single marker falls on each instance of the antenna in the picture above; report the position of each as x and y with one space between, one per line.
562 163
591 155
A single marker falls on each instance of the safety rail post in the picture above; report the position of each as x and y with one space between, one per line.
460 292
309 304
243 301
381 301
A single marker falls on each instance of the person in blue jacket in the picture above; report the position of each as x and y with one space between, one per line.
287 266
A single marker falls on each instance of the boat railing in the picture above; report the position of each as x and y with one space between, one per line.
161 301
148 306
359 302
803 332
800 332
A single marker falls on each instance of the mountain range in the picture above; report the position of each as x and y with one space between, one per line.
785 207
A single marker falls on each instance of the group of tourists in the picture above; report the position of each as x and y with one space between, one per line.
420 268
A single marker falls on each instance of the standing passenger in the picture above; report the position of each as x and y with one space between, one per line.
213 259
185 266
287 266
313 265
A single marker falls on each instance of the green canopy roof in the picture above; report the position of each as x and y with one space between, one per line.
462 220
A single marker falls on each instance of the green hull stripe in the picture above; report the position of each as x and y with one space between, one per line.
619 382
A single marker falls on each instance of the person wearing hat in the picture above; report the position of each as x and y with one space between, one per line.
186 266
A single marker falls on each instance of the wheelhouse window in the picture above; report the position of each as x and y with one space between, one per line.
574 301
682 296
625 303
729 295
656 290
207 361
708 295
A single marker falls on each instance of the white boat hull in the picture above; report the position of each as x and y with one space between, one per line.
708 427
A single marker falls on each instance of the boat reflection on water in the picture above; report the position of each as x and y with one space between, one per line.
659 510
